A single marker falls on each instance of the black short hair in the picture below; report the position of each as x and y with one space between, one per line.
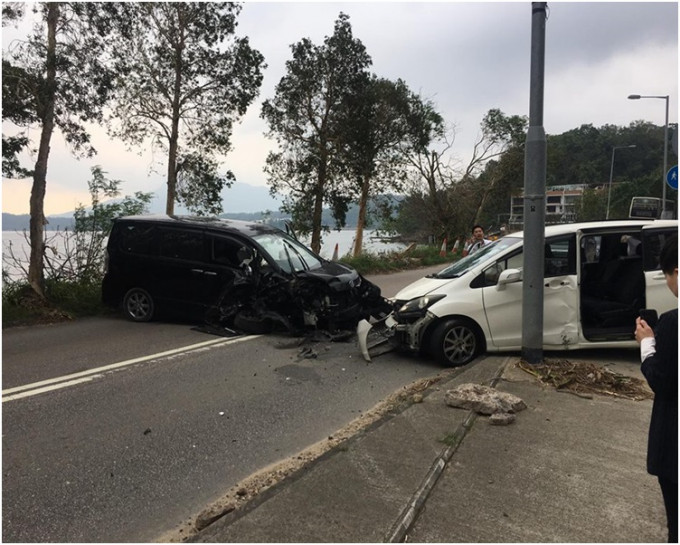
476 226
669 255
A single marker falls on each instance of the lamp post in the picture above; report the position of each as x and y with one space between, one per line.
611 174
665 148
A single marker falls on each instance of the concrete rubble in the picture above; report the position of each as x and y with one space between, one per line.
500 406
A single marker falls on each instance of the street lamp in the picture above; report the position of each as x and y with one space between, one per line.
665 148
611 174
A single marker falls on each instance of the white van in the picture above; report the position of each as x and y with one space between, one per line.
597 278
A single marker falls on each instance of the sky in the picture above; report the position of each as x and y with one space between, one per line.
466 57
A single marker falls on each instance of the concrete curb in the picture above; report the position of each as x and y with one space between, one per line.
399 530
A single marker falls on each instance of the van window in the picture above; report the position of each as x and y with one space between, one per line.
590 249
653 241
225 251
179 244
560 260
560 256
490 276
137 239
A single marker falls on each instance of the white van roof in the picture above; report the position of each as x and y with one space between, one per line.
567 228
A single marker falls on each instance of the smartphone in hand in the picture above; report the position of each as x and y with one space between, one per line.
650 316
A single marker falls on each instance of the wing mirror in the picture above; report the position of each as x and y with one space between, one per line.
508 276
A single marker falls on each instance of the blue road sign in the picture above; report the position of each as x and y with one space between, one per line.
672 177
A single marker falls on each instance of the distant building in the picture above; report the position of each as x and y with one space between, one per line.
560 205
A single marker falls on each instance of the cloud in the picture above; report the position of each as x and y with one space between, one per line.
573 100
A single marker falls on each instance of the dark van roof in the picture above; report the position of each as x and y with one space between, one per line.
248 228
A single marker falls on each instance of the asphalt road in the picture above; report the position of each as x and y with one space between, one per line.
116 432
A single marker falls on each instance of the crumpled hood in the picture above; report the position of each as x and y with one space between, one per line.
338 276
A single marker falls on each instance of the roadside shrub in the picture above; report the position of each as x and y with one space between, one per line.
79 298
64 301
385 262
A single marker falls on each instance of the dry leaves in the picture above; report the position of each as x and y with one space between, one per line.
584 378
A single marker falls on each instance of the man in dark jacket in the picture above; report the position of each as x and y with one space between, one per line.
659 352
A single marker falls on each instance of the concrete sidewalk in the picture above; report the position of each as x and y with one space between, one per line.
569 469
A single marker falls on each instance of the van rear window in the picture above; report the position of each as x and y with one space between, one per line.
137 239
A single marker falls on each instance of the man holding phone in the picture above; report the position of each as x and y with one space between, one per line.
659 354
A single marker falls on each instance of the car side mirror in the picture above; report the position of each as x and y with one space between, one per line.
508 276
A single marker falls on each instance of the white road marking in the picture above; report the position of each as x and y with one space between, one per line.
66 381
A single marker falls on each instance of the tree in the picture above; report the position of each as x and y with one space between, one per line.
377 129
500 134
54 80
184 80
452 202
307 118
17 108
427 149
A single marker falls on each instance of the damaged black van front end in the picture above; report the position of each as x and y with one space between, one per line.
244 276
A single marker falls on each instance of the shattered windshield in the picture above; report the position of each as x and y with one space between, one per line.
460 267
290 255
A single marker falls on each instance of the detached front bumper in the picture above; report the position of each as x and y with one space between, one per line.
391 332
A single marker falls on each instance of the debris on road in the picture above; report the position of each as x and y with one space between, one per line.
485 400
584 379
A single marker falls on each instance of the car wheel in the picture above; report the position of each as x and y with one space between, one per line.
249 323
455 343
138 305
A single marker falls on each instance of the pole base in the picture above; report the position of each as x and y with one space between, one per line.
534 356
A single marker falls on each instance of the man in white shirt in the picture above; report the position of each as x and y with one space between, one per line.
478 240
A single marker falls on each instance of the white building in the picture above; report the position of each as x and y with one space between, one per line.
560 205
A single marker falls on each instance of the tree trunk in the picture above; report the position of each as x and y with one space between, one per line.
361 220
174 131
316 216
172 174
485 196
440 213
36 275
317 212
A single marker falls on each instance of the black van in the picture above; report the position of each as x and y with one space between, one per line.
247 275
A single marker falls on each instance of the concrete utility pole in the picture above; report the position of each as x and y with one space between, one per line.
534 197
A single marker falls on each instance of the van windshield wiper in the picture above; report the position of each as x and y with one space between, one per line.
299 256
290 261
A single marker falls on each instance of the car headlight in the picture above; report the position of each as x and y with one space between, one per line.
419 305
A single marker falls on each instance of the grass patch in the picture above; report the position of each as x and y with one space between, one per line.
387 262
63 301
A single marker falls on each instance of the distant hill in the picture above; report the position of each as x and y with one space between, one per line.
19 222
238 198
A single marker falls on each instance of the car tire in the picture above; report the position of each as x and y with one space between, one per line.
254 325
455 343
138 305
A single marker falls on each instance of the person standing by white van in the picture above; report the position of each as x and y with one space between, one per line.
478 240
